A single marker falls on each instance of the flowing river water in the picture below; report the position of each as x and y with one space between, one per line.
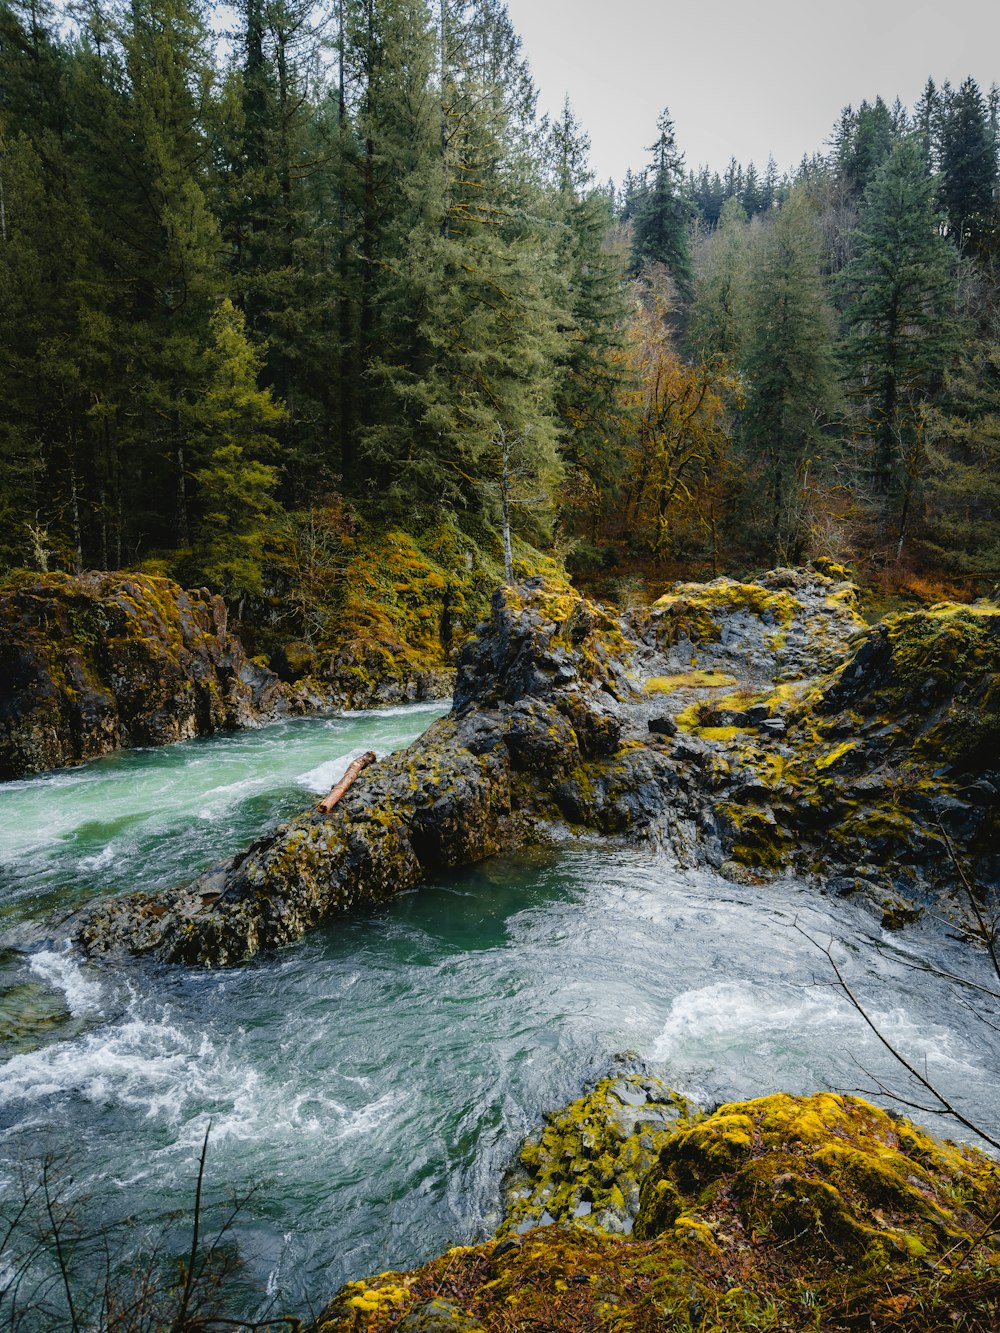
370 1084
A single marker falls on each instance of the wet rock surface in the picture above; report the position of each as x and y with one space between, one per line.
587 1163
533 734
100 662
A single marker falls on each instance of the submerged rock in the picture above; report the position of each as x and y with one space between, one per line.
740 1213
99 662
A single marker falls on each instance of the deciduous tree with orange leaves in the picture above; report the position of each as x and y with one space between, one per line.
675 435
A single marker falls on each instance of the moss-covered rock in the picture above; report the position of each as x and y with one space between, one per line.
873 775
784 625
587 1164
535 707
793 1213
98 662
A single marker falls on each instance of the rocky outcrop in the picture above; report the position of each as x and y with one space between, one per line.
873 776
787 624
781 1212
534 736
98 662
553 724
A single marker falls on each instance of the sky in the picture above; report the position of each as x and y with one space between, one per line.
743 78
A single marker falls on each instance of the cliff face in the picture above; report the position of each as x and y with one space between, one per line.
98 662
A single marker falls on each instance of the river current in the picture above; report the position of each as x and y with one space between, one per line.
368 1086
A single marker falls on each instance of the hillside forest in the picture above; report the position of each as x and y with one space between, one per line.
324 280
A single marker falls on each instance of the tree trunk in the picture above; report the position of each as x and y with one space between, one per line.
358 766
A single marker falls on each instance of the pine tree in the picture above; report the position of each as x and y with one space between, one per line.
968 166
230 424
786 362
592 309
900 324
660 229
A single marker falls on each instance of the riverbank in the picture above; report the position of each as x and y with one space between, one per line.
799 1213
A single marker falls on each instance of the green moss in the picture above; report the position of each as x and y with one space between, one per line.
783 1214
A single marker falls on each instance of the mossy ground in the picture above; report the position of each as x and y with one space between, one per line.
404 602
820 1213
684 680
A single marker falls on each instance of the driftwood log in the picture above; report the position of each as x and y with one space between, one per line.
358 766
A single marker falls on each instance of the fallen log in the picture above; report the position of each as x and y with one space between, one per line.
358 766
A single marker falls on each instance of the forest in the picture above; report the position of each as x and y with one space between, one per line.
327 273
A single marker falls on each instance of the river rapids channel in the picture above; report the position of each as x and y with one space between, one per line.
367 1087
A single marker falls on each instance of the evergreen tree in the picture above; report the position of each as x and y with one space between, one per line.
592 310
900 324
962 528
968 166
716 328
862 142
787 367
231 420
660 228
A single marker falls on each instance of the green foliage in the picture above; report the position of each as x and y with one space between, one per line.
662 212
235 486
900 316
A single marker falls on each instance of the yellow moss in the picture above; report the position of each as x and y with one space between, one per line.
721 734
687 1227
706 680
729 595
376 1300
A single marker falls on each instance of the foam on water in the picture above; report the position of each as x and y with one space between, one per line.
62 972
377 1077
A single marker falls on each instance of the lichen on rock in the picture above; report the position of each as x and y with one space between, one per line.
536 708
782 1212
99 662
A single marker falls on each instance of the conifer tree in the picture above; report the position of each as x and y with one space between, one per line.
716 328
788 370
231 421
592 309
968 166
900 324
660 229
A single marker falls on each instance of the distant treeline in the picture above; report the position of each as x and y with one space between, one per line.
332 264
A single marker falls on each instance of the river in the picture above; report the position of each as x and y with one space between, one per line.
367 1086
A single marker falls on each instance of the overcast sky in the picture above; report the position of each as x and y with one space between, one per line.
743 78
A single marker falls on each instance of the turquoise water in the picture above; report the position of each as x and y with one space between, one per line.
371 1083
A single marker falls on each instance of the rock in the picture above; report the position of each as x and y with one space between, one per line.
787 624
439 1316
586 1165
773 726
663 726
99 662
825 1194
294 660
533 735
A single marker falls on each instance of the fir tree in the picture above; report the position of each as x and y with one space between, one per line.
900 324
787 366
968 166
660 229
230 423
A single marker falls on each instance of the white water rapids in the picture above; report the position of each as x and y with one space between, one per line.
371 1083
